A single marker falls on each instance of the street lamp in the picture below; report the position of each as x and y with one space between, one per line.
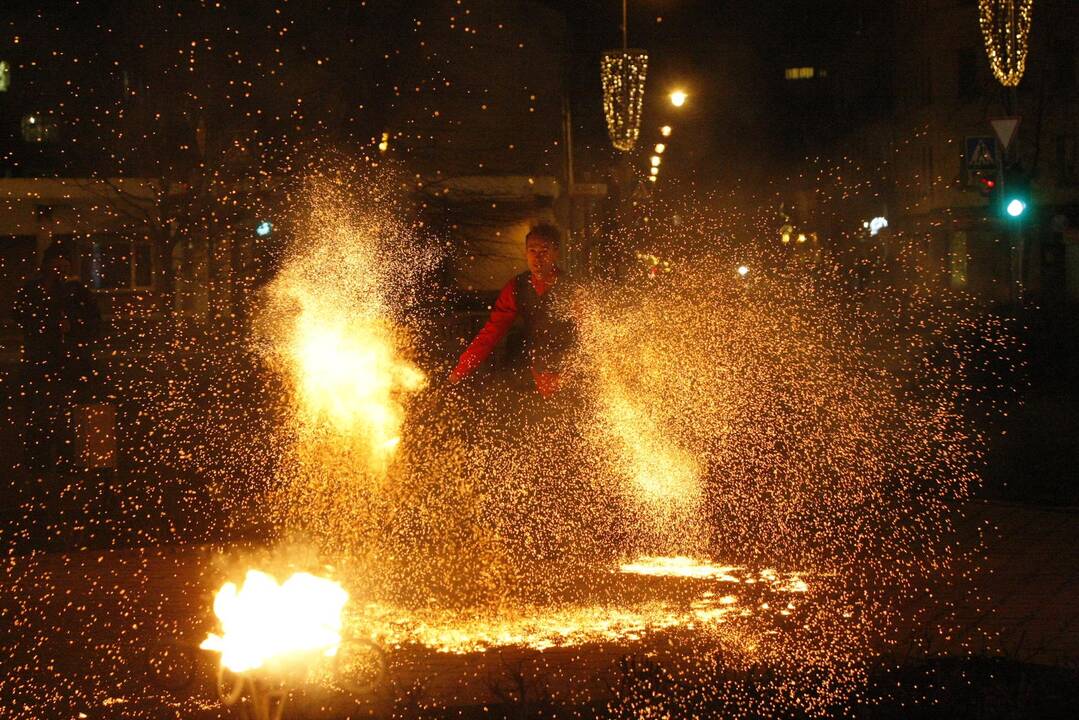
665 131
660 147
656 160
678 98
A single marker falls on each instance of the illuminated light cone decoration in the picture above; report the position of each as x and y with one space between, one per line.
623 73
1005 28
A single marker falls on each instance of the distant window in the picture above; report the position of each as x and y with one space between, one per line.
37 128
5 75
800 73
111 262
967 73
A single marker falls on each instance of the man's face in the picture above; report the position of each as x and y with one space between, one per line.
541 255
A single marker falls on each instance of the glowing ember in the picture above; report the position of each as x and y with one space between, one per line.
614 619
542 628
264 622
680 567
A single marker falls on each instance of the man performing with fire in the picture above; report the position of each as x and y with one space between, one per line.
538 300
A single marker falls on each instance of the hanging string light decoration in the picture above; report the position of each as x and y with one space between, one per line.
1005 28
623 73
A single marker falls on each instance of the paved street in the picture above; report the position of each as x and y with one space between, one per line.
93 630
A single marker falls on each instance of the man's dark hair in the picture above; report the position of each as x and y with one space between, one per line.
54 251
548 232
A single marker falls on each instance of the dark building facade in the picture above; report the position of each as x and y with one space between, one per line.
909 97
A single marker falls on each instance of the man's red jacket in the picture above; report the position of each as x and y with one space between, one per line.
502 316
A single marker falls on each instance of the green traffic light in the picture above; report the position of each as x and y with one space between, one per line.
1015 207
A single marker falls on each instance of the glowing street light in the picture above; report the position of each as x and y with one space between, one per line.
653 170
665 131
660 147
1016 207
656 160
678 98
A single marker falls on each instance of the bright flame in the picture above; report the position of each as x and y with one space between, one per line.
349 376
336 338
264 622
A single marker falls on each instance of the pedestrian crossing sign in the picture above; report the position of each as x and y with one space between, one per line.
981 153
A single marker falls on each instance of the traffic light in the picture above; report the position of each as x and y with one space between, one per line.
1015 207
985 182
1015 198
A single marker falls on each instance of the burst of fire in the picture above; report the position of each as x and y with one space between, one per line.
264 622
348 375
335 336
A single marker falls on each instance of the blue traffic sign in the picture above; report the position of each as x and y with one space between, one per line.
981 153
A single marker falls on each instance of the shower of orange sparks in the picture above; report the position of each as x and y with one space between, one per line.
334 335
